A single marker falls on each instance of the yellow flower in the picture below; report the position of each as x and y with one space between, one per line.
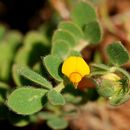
75 68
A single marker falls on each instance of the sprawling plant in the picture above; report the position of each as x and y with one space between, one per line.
49 87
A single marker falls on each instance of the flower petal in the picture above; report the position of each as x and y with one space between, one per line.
82 67
75 64
69 66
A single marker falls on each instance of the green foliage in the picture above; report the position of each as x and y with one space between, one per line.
74 29
57 123
16 76
33 76
100 67
5 61
55 98
27 100
112 83
117 53
14 38
22 56
58 46
114 87
34 37
34 46
9 43
65 36
20 65
92 32
52 64
83 13
84 29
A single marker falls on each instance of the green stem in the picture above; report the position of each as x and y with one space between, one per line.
81 45
59 87
97 73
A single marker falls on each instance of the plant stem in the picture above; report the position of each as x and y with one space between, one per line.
81 45
59 87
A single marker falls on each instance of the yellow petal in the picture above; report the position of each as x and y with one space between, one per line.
69 66
75 64
82 67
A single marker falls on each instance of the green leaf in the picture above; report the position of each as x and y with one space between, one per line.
65 36
14 38
52 64
27 100
100 67
19 80
117 53
6 58
34 37
16 76
6 51
5 70
92 32
57 123
33 76
22 56
74 29
30 55
60 48
55 98
83 13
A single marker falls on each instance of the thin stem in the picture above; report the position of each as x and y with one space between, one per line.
81 45
59 87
